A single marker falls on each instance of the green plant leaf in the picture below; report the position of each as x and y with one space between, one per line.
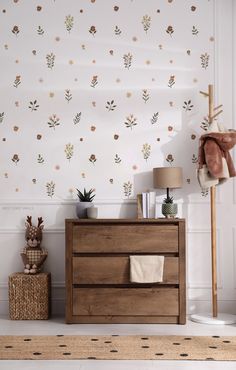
86 196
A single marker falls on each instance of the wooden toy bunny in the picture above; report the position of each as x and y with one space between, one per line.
33 255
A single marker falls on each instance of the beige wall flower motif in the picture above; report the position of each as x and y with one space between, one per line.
146 150
170 30
127 187
15 30
117 31
127 60
1 117
92 158
50 58
170 158
15 158
69 151
54 121
17 81
131 121
92 30
94 81
69 22
171 81
50 188
205 60
146 22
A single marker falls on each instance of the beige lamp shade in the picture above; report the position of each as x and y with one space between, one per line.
167 177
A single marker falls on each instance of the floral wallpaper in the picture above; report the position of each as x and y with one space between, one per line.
95 93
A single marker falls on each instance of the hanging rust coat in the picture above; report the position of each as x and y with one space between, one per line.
214 148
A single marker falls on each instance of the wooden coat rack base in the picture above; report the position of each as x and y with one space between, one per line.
221 319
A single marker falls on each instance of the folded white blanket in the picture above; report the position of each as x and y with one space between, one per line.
146 269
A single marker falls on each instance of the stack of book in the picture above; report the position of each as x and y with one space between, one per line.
146 204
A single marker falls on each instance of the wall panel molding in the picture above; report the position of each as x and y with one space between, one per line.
199 285
11 202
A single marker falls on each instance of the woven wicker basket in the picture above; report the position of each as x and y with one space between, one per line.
29 296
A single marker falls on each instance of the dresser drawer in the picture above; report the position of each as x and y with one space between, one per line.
115 270
125 238
125 302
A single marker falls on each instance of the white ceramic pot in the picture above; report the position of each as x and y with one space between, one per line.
92 212
81 209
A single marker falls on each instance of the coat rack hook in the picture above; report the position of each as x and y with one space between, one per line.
218 107
204 93
217 114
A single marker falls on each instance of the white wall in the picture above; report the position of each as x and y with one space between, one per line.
21 196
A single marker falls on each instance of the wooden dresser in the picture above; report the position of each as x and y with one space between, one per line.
98 287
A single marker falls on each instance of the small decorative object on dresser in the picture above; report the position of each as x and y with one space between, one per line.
85 202
169 209
168 178
92 212
98 281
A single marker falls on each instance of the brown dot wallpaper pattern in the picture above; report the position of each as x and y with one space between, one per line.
96 93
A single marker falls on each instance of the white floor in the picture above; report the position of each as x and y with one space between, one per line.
57 326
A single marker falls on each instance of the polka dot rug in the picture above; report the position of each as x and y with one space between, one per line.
115 347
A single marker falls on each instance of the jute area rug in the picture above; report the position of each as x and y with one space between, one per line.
115 347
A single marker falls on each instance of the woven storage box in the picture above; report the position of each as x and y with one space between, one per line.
29 296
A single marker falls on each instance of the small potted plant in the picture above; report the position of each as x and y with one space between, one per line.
169 209
85 202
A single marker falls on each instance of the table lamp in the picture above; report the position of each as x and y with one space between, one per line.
168 178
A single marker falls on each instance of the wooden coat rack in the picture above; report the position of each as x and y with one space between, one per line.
212 114
214 317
